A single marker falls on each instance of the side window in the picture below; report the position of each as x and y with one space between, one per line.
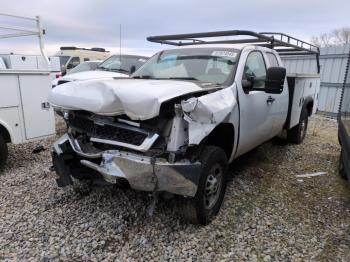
255 69
86 59
273 62
73 62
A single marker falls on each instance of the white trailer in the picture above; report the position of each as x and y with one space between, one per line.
25 114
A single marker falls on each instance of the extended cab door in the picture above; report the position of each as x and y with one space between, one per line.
256 120
278 102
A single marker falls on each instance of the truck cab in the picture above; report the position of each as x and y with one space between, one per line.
180 119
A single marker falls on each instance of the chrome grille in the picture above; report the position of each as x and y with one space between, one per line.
114 132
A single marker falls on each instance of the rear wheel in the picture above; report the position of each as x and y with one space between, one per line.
297 134
3 152
205 205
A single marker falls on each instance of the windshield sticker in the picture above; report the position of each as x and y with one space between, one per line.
224 54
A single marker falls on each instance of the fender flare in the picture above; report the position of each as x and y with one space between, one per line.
307 101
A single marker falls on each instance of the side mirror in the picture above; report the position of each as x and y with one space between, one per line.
64 72
247 84
132 69
275 80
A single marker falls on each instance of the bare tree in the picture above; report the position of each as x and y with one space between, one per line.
340 36
315 40
326 39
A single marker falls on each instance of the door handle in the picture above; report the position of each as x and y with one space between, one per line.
270 100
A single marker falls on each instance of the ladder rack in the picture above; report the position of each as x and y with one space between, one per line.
17 31
284 44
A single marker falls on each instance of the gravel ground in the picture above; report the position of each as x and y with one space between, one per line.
268 213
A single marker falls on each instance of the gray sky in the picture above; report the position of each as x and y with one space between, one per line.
89 23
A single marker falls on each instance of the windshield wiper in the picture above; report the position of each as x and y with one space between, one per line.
184 78
144 77
103 68
120 70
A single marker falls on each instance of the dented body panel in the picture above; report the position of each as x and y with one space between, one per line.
137 98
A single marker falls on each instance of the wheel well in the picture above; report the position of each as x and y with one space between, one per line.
223 136
5 134
309 107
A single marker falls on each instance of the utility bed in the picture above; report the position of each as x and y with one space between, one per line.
302 87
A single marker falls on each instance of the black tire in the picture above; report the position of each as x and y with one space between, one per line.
297 134
202 208
341 166
3 152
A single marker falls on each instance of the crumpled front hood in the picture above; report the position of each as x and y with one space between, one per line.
139 99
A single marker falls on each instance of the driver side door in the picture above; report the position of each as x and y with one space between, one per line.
255 111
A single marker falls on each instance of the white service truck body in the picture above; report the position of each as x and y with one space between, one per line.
25 114
25 81
181 118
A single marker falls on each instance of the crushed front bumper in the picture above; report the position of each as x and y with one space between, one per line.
142 172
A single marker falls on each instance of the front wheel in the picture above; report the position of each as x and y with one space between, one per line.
205 205
297 134
3 152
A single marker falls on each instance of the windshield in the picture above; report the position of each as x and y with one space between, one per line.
213 65
86 66
63 61
123 64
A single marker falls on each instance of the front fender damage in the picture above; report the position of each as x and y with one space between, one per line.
204 113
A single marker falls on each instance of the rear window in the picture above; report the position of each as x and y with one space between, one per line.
273 62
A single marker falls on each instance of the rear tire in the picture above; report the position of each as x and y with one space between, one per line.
297 134
3 152
205 205
341 166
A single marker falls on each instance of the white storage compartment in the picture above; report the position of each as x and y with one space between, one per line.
9 92
20 62
301 87
10 118
54 64
38 115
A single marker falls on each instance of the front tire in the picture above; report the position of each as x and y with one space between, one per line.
296 135
205 205
3 152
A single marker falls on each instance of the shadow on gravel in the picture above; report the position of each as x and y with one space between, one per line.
276 148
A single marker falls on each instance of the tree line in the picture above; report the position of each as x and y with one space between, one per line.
340 36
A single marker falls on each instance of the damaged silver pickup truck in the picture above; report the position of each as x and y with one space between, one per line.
186 114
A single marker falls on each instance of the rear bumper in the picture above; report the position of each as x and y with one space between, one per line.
142 172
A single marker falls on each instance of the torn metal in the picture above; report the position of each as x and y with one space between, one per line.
142 172
204 113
